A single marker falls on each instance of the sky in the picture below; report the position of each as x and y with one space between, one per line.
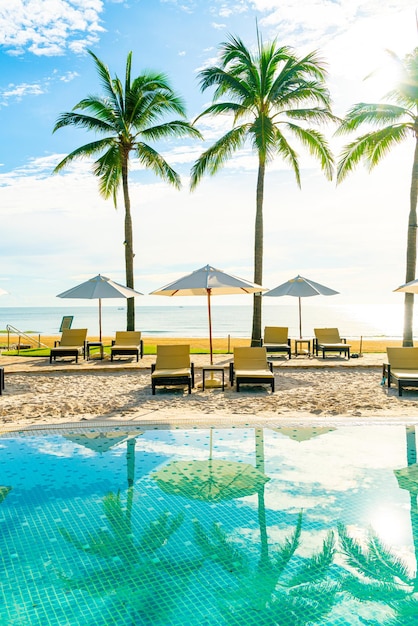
57 231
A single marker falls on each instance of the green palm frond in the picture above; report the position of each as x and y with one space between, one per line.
159 531
317 115
373 559
314 568
373 114
372 590
284 552
371 147
216 156
84 152
406 612
108 169
217 546
176 128
82 121
288 154
317 145
105 77
151 159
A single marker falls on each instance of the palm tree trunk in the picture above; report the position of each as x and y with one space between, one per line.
258 254
129 254
411 254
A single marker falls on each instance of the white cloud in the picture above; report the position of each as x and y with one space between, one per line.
48 27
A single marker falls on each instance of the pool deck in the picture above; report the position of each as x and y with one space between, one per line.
33 365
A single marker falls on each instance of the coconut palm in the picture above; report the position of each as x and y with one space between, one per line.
390 125
127 117
272 96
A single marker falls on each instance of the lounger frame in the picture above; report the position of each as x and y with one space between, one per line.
127 350
329 340
242 376
73 342
169 359
271 345
403 370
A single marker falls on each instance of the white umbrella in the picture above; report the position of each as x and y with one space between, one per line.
301 287
98 288
208 281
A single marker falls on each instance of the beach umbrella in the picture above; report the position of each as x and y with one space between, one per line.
102 441
98 288
411 287
208 281
303 433
300 287
211 480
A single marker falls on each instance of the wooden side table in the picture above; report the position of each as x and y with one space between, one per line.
299 349
212 368
92 344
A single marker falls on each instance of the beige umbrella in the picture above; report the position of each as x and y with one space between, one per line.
213 480
208 281
303 433
98 288
300 287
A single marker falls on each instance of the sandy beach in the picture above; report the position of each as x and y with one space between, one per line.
307 389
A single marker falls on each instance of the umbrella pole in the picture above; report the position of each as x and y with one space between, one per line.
100 319
300 318
210 328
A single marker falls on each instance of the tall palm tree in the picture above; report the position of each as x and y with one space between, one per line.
127 117
271 95
392 124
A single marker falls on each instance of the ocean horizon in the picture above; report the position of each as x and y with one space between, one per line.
192 321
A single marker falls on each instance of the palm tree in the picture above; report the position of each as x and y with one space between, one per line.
127 117
392 124
273 95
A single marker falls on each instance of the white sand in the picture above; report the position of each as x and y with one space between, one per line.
38 393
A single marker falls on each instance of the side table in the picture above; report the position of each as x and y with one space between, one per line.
92 344
212 368
299 349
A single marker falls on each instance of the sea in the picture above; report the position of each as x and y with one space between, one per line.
355 321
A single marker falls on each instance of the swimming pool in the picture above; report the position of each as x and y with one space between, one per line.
209 526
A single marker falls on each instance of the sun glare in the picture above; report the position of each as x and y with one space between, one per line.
389 525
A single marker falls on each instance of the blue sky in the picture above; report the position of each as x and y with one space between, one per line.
57 231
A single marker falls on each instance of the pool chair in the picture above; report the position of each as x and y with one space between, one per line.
127 343
250 367
329 340
276 339
172 367
72 343
402 368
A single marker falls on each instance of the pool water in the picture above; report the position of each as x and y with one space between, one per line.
203 527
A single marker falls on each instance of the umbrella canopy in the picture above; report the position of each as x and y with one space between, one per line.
210 481
208 281
99 441
98 288
300 287
304 433
411 287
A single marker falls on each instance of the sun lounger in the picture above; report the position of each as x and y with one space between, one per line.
172 367
402 368
127 343
276 339
329 340
72 343
250 367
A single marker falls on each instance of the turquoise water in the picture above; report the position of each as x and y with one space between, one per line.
192 321
226 526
